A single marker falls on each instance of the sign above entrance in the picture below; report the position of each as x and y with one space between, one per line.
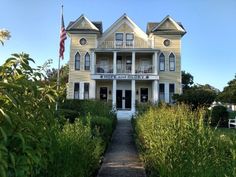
124 77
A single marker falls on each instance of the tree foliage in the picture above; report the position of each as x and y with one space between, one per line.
4 35
197 96
187 80
228 95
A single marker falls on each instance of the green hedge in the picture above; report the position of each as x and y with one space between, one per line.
175 142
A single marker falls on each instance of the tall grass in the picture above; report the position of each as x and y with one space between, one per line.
176 142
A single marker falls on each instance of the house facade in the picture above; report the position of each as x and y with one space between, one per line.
125 65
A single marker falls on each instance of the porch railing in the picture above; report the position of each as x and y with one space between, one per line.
124 44
139 69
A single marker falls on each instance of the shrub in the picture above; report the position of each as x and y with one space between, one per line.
219 116
77 152
81 108
175 142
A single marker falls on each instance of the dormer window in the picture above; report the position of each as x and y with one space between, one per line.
119 39
129 39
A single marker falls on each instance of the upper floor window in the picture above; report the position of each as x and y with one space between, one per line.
129 39
76 91
119 39
162 62
87 62
172 62
77 61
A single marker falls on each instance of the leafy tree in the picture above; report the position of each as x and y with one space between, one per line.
228 95
219 116
197 96
4 35
187 80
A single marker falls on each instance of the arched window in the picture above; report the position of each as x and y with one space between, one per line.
77 61
172 62
162 62
87 62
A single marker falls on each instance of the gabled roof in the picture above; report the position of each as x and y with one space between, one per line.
121 20
159 27
84 24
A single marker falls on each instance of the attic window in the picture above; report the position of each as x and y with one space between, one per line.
83 41
119 39
129 39
166 42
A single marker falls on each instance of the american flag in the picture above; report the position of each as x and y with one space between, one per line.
62 38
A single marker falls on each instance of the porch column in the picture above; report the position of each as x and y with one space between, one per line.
155 63
167 94
133 63
93 62
114 95
155 91
92 89
114 62
133 96
81 90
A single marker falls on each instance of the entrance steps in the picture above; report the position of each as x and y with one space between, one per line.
125 114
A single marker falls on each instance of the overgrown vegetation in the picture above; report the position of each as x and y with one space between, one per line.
34 141
176 142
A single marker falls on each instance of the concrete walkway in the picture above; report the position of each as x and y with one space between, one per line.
121 158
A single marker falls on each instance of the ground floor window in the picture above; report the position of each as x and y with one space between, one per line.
172 92
86 90
162 92
103 93
76 91
144 95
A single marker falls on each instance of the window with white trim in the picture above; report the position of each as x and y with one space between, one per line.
87 61
162 62
172 62
162 92
76 90
77 61
129 39
171 92
119 39
86 90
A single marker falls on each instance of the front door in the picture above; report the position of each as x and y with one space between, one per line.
127 99
119 99
123 99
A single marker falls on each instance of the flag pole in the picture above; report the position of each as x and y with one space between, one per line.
59 66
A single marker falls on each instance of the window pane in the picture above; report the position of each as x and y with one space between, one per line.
162 92
119 36
76 91
86 90
144 95
172 62
77 61
162 62
172 91
129 37
87 61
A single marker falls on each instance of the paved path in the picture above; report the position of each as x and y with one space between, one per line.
121 158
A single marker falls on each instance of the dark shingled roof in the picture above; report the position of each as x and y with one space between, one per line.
98 24
152 25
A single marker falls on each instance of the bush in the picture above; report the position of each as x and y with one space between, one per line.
77 152
219 116
72 109
175 142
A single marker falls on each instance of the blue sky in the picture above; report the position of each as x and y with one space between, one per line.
207 48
